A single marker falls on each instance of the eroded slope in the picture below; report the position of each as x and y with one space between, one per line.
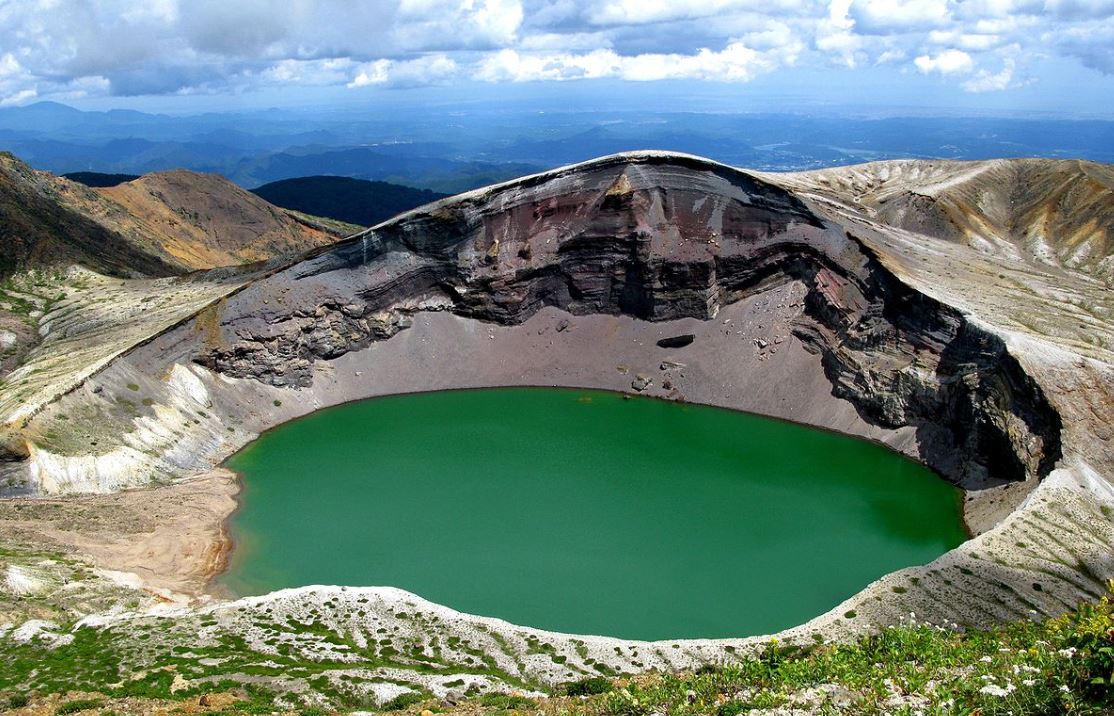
89 273
1053 213
205 221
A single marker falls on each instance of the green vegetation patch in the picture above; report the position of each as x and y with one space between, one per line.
403 701
589 687
72 707
1064 665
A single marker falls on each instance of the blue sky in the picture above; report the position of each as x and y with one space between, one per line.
998 56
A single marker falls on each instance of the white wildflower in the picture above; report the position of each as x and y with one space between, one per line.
1028 682
1067 653
996 690
1065 689
986 660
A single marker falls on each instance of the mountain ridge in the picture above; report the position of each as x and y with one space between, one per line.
145 226
1055 212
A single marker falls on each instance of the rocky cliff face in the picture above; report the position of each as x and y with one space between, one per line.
658 239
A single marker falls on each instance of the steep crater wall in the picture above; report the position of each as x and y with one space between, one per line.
658 240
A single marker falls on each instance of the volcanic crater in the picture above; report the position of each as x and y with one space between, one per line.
802 302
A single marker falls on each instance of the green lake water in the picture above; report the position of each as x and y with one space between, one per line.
582 511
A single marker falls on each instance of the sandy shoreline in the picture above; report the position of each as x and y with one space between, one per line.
174 538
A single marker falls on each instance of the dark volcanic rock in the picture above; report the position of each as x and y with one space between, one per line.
676 341
655 237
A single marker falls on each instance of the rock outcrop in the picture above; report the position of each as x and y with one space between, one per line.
659 239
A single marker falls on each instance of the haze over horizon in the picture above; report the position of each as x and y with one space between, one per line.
916 57
449 95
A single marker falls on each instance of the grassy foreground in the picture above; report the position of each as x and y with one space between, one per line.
1061 666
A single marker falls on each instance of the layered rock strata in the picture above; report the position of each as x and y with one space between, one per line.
658 240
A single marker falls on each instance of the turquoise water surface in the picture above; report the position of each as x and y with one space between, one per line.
583 511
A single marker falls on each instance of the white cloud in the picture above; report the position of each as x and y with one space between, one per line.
984 9
884 16
309 72
984 81
844 48
426 70
9 65
511 66
19 97
890 56
562 42
835 36
372 73
776 39
56 48
457 24
948 62
735 63
974 42
634 12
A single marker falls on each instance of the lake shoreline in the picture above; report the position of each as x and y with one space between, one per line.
169 541
713 474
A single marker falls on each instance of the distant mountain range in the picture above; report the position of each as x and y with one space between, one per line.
356 201
446 176
451 149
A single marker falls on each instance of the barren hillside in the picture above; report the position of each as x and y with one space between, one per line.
1051 212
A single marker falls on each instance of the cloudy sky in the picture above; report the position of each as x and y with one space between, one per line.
1043 55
